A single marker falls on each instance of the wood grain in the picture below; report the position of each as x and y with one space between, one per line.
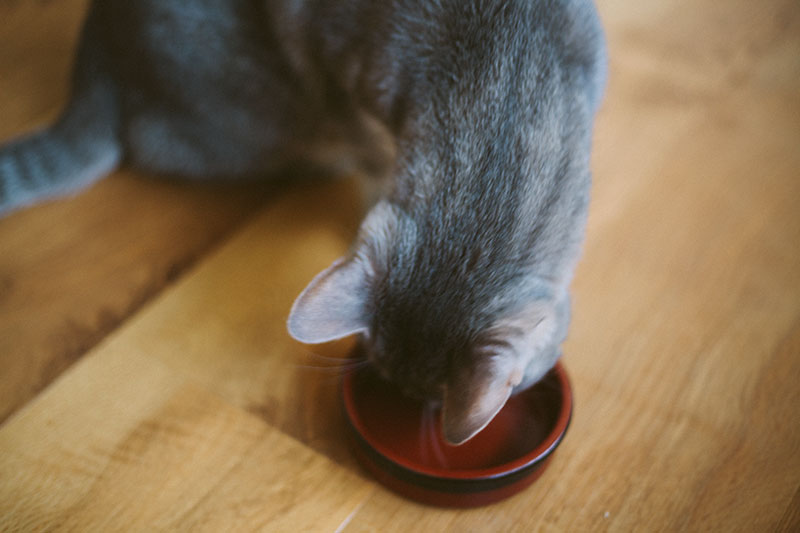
157 451
198 411
71 271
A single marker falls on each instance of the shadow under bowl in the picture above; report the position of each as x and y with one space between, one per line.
399 441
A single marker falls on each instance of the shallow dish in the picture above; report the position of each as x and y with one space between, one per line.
399 441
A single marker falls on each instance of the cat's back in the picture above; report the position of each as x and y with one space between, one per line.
499 178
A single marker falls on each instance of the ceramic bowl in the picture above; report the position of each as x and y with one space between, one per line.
399 441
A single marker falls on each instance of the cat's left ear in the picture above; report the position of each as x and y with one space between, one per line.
517 347
333 304
475 394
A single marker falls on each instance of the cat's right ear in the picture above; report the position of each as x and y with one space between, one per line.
333 304
474 394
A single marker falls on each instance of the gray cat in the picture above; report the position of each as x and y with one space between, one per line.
459 278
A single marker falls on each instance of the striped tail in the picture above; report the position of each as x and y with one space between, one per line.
81 147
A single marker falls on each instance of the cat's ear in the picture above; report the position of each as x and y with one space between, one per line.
517 347
474 394
333 304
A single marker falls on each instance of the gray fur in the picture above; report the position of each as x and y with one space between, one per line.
81 147
465 263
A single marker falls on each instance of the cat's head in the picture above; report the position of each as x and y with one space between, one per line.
444 329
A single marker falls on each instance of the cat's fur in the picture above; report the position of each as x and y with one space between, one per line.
459 277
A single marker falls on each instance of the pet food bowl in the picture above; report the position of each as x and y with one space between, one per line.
399 441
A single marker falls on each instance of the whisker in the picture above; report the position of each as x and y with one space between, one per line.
422 441
344 365
434 437
328 367
329 370
326 359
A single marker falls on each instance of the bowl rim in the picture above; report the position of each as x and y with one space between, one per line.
525 461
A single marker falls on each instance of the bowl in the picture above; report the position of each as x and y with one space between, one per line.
399 441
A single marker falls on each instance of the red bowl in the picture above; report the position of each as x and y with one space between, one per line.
399 441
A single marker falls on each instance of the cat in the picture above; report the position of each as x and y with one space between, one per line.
458 281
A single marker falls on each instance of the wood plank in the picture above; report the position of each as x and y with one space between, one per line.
178 420
38 42
71 271
125 443
199 412
791 519
683 349
224 325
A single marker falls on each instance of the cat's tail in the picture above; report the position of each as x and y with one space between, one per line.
81 147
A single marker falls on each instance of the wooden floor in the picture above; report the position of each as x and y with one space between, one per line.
147 382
